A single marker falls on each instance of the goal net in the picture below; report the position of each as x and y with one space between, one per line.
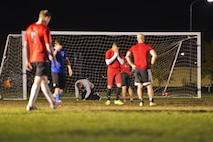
176 73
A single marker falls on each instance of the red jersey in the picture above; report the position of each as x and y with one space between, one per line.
125 67
115 65
140 53
37 35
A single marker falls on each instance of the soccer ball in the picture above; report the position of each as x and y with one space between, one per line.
164 94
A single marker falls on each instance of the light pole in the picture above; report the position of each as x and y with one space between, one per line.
191 6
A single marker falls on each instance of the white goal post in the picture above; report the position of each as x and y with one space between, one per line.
177 72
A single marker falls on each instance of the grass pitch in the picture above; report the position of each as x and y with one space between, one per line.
173 119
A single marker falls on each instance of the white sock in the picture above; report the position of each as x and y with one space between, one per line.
47 93
33 95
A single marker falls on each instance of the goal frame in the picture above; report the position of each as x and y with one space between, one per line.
197 34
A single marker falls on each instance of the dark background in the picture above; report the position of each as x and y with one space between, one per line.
106 15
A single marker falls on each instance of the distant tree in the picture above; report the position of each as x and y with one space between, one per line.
207 59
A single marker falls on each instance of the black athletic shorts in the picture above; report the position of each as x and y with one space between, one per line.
59 80
125 79
41 68
143 77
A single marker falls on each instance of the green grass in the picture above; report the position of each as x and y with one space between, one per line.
174 119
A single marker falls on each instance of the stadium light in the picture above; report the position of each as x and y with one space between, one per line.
191 5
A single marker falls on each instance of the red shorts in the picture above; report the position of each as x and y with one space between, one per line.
113 78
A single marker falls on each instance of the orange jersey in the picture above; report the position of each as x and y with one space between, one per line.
37 35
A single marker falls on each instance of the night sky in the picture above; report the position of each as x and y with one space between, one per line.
106 15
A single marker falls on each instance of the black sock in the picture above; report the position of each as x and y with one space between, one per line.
151 100
108 93
118 92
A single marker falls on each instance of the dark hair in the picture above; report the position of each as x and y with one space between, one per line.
116 44
59 41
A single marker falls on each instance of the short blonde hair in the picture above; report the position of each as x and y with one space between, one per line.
44 13
140 37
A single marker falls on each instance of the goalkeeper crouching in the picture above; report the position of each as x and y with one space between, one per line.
87 90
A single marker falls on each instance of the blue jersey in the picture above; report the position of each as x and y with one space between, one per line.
60 57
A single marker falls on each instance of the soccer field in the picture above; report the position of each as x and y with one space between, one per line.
173 119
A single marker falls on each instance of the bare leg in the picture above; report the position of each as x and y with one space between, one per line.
130 91
139 92
124 93
150 92
34 92
46 91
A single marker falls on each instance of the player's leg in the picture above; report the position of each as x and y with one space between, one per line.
148 83
94 95
110 79
124 87
56 82
140 94
35 87
34 93
118 81
124 93
130 91
83 94
108 92
43 71
59 82
139 86
62 84
129 88
47 93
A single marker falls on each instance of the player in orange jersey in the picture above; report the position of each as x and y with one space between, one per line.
38 45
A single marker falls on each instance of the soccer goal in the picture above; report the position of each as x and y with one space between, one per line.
177 72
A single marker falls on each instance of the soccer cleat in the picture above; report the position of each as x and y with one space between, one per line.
152 104
54 105
107 102
118 102
124 100
141 104
59 104
28 108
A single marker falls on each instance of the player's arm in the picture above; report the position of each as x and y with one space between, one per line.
120 59
28 64
109 61
69 66
76 91
88 89
49 49
128 59
154 56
